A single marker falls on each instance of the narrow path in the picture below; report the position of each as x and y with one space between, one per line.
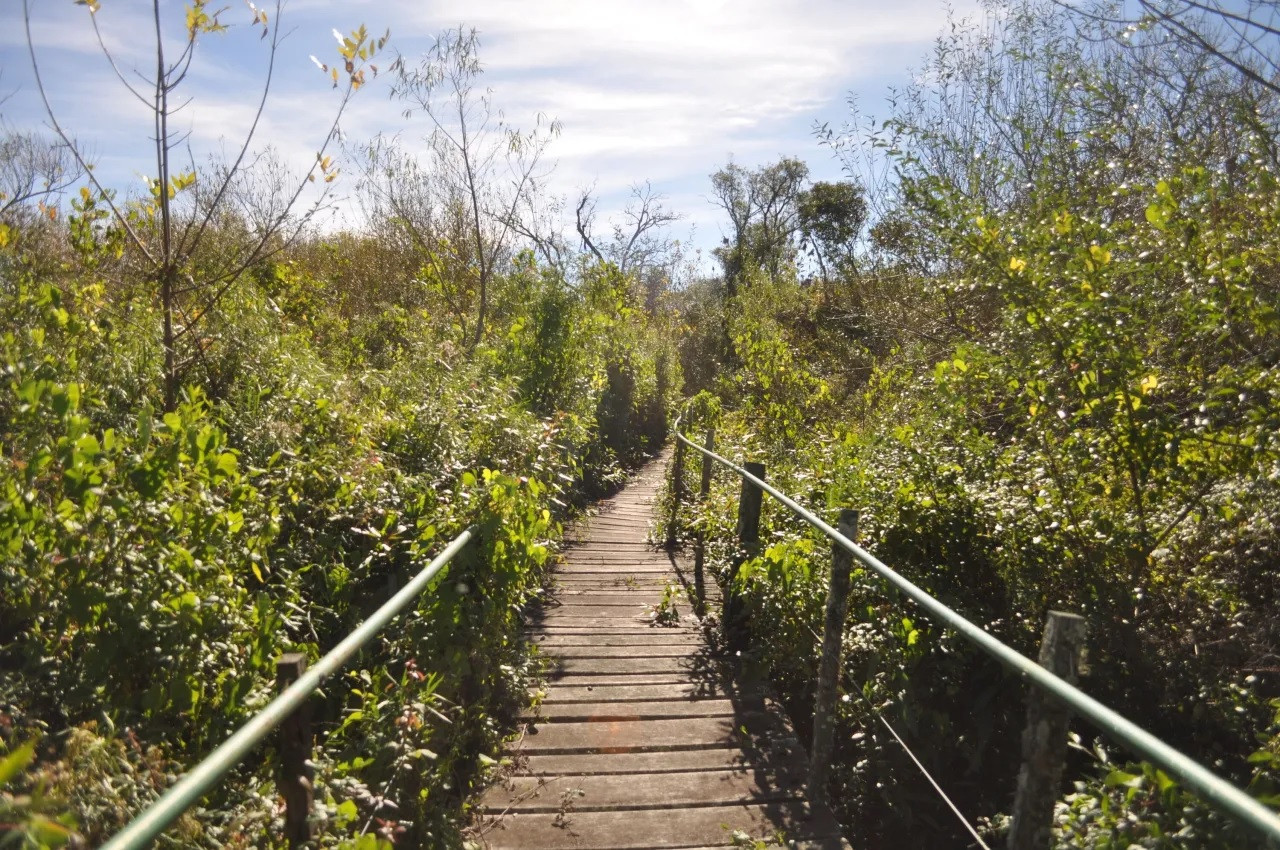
642 740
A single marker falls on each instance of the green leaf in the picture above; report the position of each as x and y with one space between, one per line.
16 761
227 463
1158 215
1117 778
346 812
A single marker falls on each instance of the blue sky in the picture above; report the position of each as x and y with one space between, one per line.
663 91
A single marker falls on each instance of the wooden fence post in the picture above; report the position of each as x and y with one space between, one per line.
700 543
749 501
296 771
708 465
824 701
1044 740
677 492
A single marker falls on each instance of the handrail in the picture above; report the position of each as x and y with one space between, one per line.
1213 788
148 825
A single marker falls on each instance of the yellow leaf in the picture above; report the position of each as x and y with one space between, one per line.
1016 265
1148 384
257 572
1100 255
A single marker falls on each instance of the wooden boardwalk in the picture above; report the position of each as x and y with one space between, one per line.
642 739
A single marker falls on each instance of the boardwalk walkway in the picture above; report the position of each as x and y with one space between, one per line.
642 740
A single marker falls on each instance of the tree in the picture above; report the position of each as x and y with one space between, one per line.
636 241
167 229
412 209
763 210
32 168
1243 36
831 216
481 164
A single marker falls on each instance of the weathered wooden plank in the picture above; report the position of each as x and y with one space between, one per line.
614 666
617 594
618 553
561 618
645 691
599 712
654 638
635 791
648 570
632 651
600 764
572 681
617 633
618 736
630 736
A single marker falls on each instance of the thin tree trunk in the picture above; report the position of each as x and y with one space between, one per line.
167 271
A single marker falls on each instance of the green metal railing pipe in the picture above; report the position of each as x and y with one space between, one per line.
147 826
1212 788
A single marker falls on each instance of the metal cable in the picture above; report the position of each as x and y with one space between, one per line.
932 781
1214 789
936 787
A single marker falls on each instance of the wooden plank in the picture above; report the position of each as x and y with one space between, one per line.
606 571
601 712
570 581
597 764
632 651
635 791
614 666
619 594
630 736
618 553
622 736
569 681
561 618
653 637
617 633
636 691
578 604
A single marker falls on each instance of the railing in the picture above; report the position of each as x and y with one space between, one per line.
281 711
1217 791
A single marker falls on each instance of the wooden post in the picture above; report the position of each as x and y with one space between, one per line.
700 544
708 465
749 501
824 700
1044 740
296 771
677 492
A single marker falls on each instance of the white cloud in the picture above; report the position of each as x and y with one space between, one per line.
664 90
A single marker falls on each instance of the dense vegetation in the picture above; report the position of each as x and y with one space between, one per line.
1049 377
339 414
1034 335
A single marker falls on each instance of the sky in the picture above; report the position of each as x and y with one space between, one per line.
664 91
